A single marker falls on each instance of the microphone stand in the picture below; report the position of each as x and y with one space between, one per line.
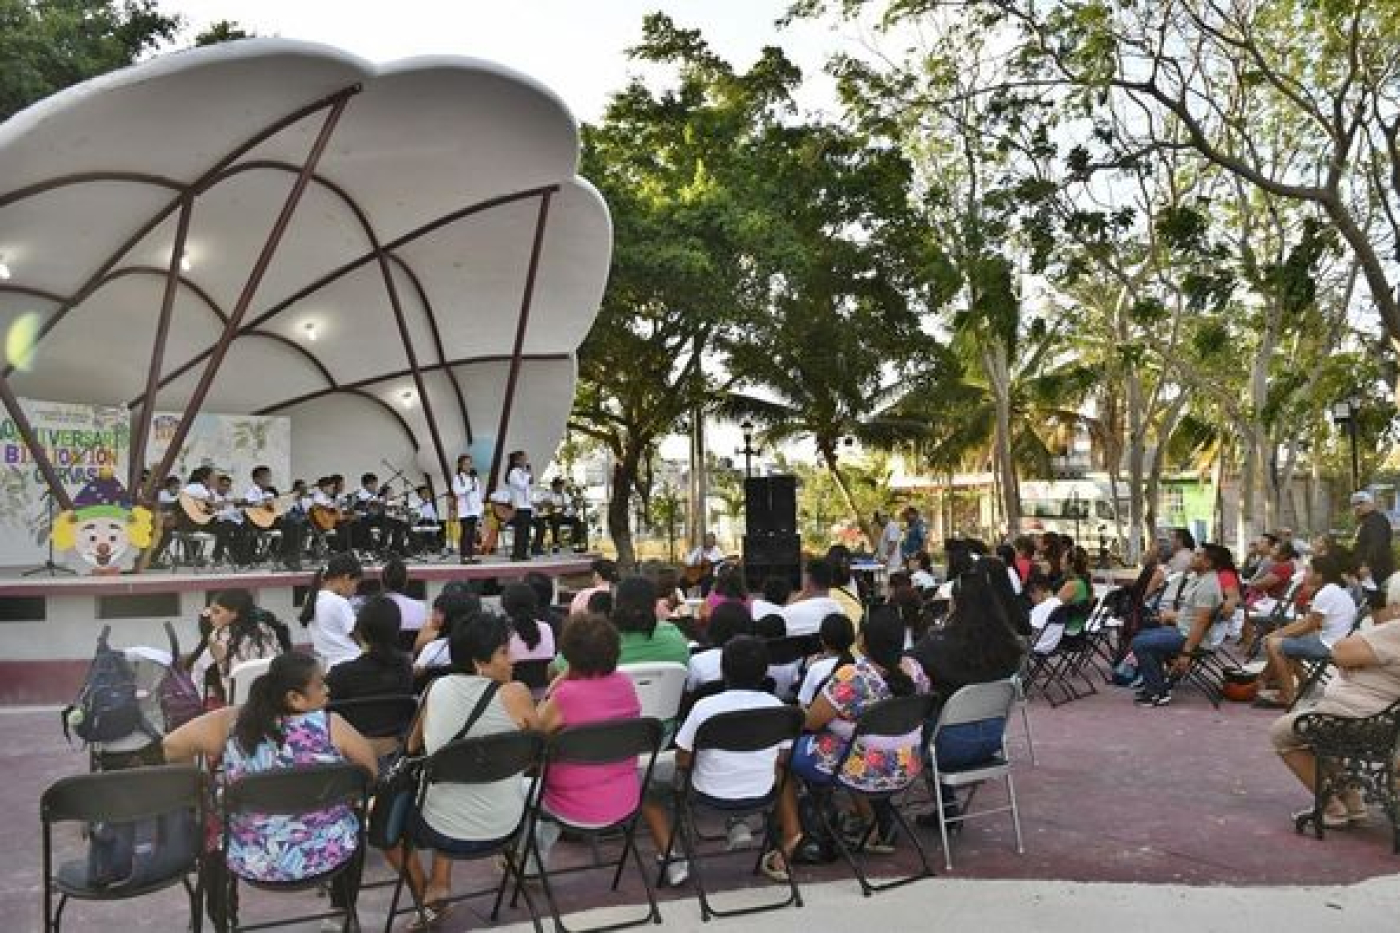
49 566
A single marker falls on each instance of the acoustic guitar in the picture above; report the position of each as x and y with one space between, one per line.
692 575
198 511
264 514
328 517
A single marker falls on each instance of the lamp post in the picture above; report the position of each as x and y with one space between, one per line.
1344 413
748 450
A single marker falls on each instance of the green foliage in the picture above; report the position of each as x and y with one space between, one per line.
48 45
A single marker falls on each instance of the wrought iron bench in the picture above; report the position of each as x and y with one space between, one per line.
1353 752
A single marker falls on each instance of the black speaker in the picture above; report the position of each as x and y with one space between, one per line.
768 555
770 505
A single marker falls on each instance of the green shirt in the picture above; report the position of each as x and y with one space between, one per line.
665 644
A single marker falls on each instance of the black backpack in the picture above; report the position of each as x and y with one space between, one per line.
106 709
133 855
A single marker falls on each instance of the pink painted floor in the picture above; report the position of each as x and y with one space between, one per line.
1176 795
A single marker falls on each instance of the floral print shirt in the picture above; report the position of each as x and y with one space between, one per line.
278 847
880 764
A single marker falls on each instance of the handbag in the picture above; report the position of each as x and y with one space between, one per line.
397 788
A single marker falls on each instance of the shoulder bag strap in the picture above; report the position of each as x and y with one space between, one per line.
478 710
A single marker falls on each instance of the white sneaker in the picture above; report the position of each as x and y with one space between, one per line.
738 836
677 873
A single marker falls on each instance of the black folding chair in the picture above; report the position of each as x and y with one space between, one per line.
380 717
893 718
599 743
793 648
1059 674
120 797
292 792
479 760
741 731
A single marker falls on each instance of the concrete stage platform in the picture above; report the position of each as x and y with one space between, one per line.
49 625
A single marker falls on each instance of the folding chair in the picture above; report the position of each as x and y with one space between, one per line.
1206 670
1277 617
895 718
973 704
474 761
659 687
738 732
1060 668
292 792
600 743
384 720
120 797
242 677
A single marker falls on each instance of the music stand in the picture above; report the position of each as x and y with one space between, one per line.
49 566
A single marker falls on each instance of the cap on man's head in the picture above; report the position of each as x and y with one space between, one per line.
1362 497
557 481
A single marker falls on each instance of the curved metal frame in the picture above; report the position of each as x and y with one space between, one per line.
233 325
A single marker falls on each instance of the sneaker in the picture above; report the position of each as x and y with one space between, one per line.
1144 698
738 836
1162 699
678 872
1136 683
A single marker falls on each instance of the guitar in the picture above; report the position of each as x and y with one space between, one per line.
264 514
328 517
198 511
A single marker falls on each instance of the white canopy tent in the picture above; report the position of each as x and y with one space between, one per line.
401 258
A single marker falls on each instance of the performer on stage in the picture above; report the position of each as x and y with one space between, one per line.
230 537
555 510
423 516
466 486
701 562
293 532
197 490
369 503
518 481
326 500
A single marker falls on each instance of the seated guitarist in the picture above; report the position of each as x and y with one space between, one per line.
325 500
555 510
701 562
293 532
198 489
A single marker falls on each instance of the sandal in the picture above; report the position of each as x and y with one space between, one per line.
775 867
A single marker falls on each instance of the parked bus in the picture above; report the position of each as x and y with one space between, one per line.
1081 508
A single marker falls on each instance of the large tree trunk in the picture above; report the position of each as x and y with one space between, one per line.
999 380
833 466
624 481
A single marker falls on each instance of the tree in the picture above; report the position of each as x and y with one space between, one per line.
222 31
48 45
673 167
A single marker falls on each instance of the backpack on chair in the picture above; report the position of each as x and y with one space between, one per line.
180 699
106 709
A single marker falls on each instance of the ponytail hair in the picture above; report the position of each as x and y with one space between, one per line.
521 608
260 718
341 565
883 636
377 626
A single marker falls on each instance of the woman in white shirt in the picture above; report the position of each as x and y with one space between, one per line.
327 611
518 481
466 486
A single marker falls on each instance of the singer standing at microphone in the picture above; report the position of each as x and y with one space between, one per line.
466 486
519 481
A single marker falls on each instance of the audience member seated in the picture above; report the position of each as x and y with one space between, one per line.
879 672
327 611
1007 555
670 598
645 639
465 818
236 632
838 635
726 776
1268 587
382 670
592 691
283 724
604 579
1075 587
1258 558
729 587
530 638
453 606
777 590
729 621
1024 561
804 614
412 612
1183 629
843 585
784 677
1231 595
1043 601
1311 636
922 579
1367 681
1013 608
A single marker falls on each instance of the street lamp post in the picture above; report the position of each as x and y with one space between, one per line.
1344 413
748 450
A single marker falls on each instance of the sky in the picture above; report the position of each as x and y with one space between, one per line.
576 47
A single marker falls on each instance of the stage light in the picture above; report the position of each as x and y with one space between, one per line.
407 397
185 263
4 270
20 341
310 328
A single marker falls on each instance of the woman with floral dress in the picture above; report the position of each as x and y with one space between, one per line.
879 672
283 724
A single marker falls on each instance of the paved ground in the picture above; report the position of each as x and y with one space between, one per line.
1184 807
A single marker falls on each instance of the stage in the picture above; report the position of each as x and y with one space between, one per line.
49 625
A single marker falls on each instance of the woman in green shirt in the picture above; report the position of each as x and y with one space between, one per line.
645 640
